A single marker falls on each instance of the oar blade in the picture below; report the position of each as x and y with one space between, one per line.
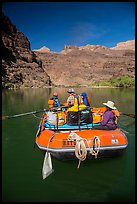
47 166
4 117
130 115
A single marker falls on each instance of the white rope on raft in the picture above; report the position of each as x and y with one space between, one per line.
80 147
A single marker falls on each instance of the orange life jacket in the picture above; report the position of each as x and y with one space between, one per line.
101 110
50 102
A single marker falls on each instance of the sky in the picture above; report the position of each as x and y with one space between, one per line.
56 24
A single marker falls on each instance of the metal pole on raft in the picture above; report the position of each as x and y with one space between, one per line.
57 121
78 113
92 118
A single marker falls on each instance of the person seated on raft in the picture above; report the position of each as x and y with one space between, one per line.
56 103
71 98
108 121
85 98
74 101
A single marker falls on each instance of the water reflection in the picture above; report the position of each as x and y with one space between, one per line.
37 98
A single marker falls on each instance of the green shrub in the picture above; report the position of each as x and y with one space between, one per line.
123 81
9 85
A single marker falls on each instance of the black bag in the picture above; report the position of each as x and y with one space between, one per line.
72 118
84 116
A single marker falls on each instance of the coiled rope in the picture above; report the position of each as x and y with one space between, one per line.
96 146
80 147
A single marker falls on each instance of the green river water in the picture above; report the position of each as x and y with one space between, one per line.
99 180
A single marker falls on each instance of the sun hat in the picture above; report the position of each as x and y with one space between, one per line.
71 90
110 104
55 94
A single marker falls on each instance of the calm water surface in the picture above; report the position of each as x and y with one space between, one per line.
100 180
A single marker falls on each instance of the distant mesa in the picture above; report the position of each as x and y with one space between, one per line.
94 48
43 49
127 45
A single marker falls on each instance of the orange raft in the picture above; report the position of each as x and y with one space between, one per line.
81 144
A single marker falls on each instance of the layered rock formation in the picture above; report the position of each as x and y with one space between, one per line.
43 49
74 65
20 66
128 45
85 65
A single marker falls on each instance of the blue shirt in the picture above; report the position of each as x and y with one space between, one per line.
56 101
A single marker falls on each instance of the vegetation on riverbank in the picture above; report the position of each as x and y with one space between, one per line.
123 81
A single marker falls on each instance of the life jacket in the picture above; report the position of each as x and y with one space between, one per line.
78 104
76 108
54 102
101 110
85 99
117 114
78 100
50 102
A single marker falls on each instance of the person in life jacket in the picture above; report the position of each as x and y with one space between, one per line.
70 100
54 102
86 100
108 118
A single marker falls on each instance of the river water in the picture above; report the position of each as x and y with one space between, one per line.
99 180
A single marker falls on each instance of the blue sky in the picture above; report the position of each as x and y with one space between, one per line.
56 24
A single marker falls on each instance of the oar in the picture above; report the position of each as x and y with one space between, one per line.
22 114
29 113
128 114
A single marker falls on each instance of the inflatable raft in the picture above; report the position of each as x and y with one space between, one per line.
80 143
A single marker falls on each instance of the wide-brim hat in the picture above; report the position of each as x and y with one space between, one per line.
110 104
71 91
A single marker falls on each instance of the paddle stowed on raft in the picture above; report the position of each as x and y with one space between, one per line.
27 113
22 114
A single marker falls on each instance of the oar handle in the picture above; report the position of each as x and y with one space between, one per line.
128 114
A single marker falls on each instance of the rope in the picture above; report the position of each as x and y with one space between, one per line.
80 147
96 146
36 116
